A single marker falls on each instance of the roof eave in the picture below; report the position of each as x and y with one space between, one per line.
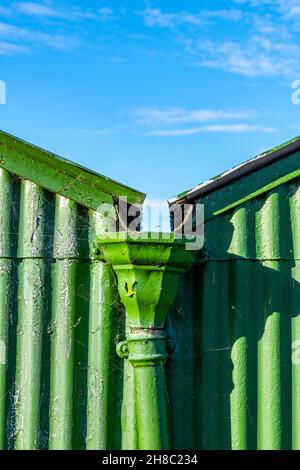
59 175
238 171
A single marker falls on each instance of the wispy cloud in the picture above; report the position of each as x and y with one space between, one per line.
177 122
22 38
106 14
267 47
43 10
294 11
258 58
174 115
7 49
156 17
218 128
30 25
278 4
38 9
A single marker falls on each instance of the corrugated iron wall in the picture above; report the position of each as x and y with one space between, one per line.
60 379
233 384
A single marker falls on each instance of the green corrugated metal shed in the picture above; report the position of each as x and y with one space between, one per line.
237 318
232 383
60 383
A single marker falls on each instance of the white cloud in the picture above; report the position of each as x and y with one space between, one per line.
173 132
34 9
17 34
238 128
294 11
38 9
30 32
177 122
162 121
259 57
277 4
263 39
231 15
250 61
175 115
7 49
106 14
155 17
217 128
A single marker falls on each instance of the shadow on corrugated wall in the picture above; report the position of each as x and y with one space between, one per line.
232 381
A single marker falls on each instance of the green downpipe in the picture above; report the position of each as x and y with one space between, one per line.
147 353
128 418
148 270
152 408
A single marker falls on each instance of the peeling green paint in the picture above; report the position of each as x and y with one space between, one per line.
148 273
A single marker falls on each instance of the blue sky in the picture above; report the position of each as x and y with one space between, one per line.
159 95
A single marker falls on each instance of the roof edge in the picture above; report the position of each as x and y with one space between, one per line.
262 160
14 150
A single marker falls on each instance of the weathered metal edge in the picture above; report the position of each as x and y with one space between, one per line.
245 168
13 147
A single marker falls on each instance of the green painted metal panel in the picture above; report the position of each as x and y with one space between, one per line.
102 361
232 381
60 378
